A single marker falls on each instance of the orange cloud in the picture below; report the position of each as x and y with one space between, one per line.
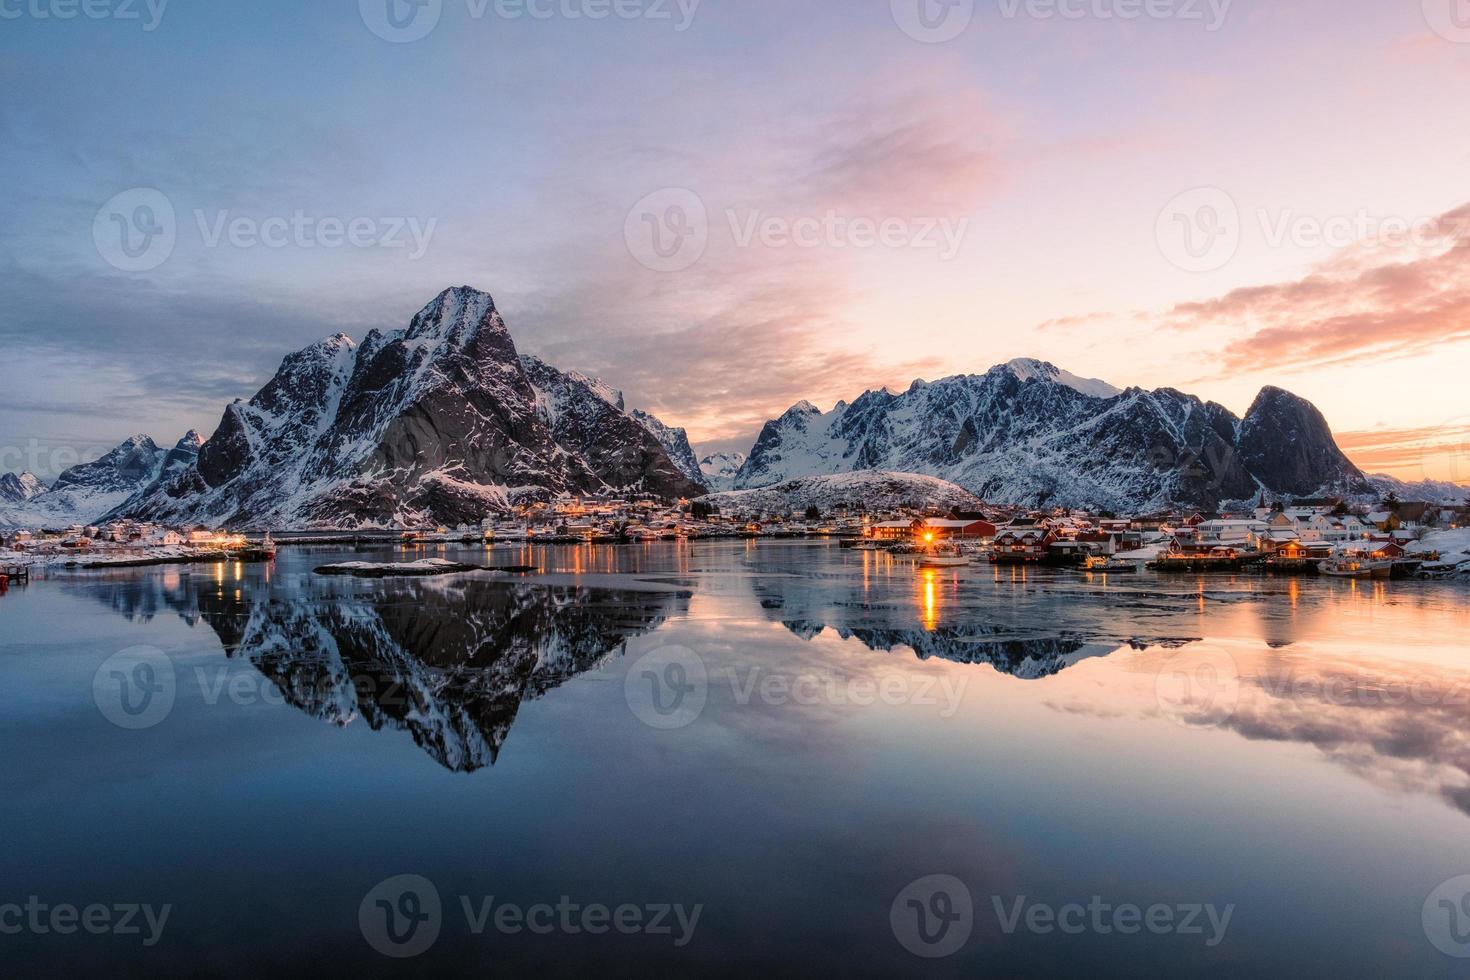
1361 304
1435 452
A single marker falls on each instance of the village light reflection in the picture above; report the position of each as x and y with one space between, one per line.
931 615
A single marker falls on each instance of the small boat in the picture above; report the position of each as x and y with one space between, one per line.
1116 565
943 556
1348 567
265 551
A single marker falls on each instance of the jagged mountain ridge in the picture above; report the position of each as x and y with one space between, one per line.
17 488
439 423
85 492
719 469
589 419
675 442
1029 433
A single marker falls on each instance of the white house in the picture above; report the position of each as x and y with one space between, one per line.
1230 531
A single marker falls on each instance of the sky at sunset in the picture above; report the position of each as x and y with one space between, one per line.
727 206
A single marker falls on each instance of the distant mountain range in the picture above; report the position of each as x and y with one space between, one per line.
718 470
446 422
86 492
1029 433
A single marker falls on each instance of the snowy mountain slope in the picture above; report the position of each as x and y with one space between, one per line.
438 423
719 469
675 443
1028 433
588 418
873 490
1027 368
84 493
17 488
1429 491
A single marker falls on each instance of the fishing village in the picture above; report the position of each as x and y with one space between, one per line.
1326 537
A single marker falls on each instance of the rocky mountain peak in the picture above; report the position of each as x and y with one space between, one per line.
456 313
17 488
1288 446
443 422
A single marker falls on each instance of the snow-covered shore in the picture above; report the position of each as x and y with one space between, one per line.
162 555
1454 552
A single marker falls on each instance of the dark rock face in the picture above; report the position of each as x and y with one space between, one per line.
1027 433
1286 443
438 423
587 419
676 444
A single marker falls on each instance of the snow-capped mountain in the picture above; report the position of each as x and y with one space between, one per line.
1027 368
867 489
1028 433
675 443
718 470
438 423
84 493
17 488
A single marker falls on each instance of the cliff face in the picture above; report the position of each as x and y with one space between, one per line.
1287 445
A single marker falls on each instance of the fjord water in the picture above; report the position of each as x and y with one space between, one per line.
786 735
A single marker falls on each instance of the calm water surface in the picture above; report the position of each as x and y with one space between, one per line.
791 737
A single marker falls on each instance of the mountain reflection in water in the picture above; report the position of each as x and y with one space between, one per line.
449 661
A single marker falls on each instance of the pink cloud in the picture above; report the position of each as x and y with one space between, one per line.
1361 304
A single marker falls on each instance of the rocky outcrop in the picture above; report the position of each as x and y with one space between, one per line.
675 443
1286 444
